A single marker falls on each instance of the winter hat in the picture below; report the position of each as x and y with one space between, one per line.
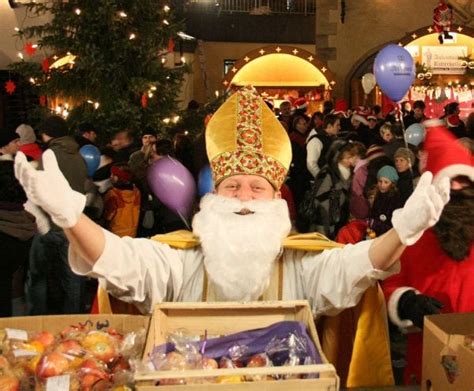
371 117
452 121
359 118
300 103
446 157
374 152
340 108
6 137
406 154
54 126
122 173
26 133
362 111
148 130
388 172
86 127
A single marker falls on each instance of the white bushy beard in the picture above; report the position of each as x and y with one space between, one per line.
240 250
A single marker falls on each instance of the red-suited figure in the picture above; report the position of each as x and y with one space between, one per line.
437 272
442 20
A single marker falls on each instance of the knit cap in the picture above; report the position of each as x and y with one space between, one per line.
26 133
7 136
388 172
406 154
54 126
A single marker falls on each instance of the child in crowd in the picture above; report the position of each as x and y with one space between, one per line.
386 132
387 199
326 204
122 202
407 172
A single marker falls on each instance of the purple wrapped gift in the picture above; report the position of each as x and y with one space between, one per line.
268 339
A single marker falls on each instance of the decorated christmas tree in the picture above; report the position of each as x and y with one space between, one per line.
105 61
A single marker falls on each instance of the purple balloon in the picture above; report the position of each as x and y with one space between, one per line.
173 184
394 71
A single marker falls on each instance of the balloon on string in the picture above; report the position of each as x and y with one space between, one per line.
368 82
394 71
205 182
173 184
91 156
415 134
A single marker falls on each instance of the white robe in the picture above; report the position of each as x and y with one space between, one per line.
145 272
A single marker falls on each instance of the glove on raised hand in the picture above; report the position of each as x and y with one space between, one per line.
49 189
415 307
422 210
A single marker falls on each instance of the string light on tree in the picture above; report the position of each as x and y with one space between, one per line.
120 105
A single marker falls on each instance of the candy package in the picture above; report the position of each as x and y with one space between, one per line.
285 343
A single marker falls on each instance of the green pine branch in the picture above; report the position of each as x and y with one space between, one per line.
112 66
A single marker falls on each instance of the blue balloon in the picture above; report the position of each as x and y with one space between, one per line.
415 134
91 156
205 182
394 71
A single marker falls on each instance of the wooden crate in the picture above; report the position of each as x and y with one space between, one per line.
56 323
231 317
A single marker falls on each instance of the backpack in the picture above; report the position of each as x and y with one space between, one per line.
312 210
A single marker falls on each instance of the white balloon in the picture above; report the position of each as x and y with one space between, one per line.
368 82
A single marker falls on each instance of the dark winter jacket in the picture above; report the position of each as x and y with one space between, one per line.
70 161
380 217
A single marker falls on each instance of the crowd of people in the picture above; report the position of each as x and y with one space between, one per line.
347 174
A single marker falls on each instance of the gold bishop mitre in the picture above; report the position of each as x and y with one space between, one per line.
244 137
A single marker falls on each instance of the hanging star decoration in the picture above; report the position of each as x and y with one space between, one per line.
144 100
29 49
10 87
45 65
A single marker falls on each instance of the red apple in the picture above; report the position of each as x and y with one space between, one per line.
91 373
71 347
44 337
258 360
52 364
207 363
9 383
4 364
119 364
101 346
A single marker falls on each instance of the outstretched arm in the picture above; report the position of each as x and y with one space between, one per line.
421 211
49 189
87 239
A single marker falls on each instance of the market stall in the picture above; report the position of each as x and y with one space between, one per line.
283 73
444 72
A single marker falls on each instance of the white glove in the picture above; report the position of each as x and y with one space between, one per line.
50 190
422 210
43 222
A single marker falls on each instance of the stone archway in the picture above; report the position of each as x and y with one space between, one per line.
279 66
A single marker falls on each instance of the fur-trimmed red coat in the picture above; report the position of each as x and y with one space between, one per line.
429 270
